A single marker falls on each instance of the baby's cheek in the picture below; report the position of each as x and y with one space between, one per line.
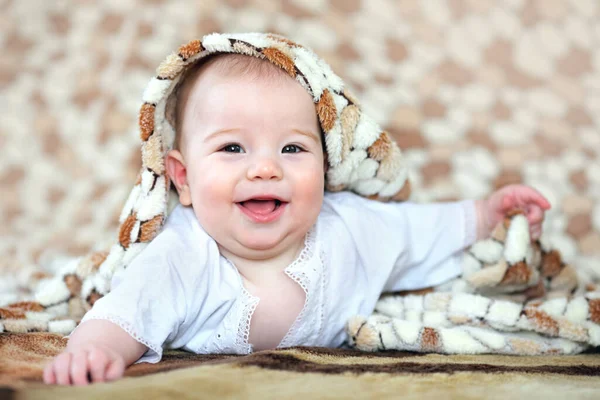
311 193
212 199
209 195
312 184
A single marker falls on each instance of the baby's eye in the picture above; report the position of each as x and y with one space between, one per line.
232 148
292 148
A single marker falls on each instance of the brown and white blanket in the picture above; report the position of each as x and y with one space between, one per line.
514 296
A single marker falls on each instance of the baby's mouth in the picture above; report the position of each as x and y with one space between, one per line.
261 206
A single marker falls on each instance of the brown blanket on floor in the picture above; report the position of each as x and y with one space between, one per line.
307 371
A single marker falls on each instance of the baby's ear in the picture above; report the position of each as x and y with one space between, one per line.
177 171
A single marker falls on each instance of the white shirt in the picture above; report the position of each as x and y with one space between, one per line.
179 292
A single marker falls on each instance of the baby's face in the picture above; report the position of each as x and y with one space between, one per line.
255 163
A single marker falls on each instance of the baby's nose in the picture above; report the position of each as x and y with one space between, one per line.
265 168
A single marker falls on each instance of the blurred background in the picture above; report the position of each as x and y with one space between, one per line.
477 93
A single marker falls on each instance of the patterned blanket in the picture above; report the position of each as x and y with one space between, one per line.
307 372
514 297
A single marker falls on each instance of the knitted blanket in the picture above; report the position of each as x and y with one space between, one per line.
514 296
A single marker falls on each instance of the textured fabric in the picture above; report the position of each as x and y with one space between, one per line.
194 298
307 372
512 297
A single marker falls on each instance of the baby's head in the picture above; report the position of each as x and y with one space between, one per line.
249 154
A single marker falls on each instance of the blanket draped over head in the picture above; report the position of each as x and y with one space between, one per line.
514 296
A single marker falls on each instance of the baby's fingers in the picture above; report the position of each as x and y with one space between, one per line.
62 368
529 195
79 368
49 377
115 369
98 363
535 231
535 215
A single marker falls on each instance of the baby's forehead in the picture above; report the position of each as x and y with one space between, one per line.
234 66
219 66
199 87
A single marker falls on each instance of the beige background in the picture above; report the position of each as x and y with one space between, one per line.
478 93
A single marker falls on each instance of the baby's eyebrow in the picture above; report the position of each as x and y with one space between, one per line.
309 134
219 132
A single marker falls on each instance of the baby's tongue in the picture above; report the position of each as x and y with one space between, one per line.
262 207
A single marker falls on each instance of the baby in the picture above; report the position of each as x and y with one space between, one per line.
257 255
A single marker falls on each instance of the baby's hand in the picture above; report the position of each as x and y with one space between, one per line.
91 363
492 210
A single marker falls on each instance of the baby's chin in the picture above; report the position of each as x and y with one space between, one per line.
263 242
257 246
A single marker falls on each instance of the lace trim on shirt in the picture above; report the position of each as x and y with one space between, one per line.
324 291
249 302
300 277
127 327
249 305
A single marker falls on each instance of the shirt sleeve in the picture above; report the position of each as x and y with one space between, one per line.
150 298
146 300
407 246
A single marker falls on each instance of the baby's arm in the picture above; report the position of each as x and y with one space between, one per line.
413 246
97 351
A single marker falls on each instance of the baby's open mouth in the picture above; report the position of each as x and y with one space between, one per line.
261 206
